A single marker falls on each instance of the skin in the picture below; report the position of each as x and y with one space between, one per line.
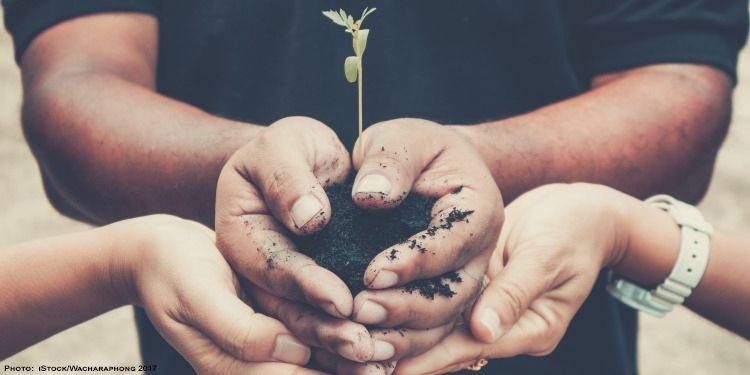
251 231
534 312
167 265
668 145
90 107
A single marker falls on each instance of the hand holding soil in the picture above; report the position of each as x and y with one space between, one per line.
421 157
269 187
275 185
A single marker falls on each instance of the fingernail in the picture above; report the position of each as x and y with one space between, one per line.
290 350
347 351
382 350
304 210
371 313
491 321
331 309
384 279
374 183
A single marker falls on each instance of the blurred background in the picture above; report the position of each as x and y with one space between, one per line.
681 343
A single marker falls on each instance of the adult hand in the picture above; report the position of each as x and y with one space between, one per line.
269 187
413 156
554 243
191 295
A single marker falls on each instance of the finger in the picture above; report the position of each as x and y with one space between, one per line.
410 342
341 336
208 358
423 303
289 164
339 365
256 247
510 292
241 332
449 355
388 168
461 229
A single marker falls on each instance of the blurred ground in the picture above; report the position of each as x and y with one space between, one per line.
682 343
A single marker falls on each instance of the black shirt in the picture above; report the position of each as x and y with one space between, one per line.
453 62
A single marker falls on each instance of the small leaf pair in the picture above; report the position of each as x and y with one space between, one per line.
352 65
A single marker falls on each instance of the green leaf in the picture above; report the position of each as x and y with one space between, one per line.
350 68
362 41
335 17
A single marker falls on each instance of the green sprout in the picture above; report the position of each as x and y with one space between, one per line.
353 64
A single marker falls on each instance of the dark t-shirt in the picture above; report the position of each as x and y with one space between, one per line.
454 62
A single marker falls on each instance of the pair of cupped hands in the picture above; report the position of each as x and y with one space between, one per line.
259 306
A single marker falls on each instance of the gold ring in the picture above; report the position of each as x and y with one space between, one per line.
476 366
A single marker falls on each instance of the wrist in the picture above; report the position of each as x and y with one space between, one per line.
125 243
652 245
620 211
470 133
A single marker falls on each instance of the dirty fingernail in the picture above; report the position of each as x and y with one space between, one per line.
331 309
384 279
374 183
371 313
491 321
382 351
347 351
290 350
304 210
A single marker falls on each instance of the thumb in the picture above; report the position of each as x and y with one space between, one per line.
508 295
391 162
285 168
246 335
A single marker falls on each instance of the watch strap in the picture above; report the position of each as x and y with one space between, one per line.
688 269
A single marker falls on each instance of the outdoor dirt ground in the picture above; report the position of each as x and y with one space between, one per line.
682 343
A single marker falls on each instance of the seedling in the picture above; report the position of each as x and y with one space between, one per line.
353 64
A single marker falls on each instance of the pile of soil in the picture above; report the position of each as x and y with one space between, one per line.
353 237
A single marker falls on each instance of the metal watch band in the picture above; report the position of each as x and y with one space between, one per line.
687 271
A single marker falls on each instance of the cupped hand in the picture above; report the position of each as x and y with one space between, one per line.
270 187
194 300
414 156
554 243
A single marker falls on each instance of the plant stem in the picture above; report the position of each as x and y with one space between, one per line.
359 82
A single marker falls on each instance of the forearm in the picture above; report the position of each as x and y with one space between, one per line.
646 131
109 146
52 284
723 294
113 149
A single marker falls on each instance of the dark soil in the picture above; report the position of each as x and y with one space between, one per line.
353 237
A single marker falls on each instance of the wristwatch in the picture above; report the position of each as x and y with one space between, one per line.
687 271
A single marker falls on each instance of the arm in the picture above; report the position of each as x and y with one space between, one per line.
167 265
39 286
643 131
723 294
108 145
